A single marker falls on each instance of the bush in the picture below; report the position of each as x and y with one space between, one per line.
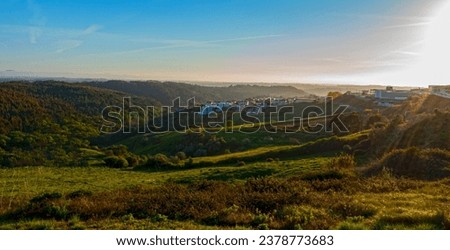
446 219
181 155
347 149
160 162
376 120
344 161
200 152
304 217
348 207
45 206
240 163
414 163
132 161
116 162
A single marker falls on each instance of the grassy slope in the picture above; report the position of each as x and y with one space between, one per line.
164 143
423 205
24 183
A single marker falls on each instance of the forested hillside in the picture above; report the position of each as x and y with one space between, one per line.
49 123
165 92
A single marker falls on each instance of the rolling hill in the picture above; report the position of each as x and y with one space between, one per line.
165 92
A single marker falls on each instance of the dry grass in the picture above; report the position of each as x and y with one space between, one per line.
256 203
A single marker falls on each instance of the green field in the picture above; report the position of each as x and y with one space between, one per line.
309 193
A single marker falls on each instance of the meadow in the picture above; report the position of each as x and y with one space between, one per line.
308 192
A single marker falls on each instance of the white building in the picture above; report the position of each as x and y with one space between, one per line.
393 95
440 90
388 97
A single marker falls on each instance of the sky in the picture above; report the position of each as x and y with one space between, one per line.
402 42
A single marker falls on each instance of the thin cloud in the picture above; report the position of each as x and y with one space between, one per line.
244 38
408 25
399 53
408 53
385 17
91 29
169 44
37 21
68 45
64 39
331 60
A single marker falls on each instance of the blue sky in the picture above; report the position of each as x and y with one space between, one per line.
347 41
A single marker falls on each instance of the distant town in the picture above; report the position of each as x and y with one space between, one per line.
386 97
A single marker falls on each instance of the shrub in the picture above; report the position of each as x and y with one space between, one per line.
200 152
181 155
246 141
159 218
348 207
230 216
189 163
116 162
45 206
263 226
240 163
158 162
259 218
415 163
304 217
347 149
344 161
411 219
323 175
132 161
446 219
376 120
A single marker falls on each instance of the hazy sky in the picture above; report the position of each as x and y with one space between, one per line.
346 41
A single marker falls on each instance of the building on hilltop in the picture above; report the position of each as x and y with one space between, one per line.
440 90
390 96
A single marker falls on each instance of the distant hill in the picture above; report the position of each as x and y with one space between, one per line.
84 98
165 92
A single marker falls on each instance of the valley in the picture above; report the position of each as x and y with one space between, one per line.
389 170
